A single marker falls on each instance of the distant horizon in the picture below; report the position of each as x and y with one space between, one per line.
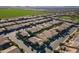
46 6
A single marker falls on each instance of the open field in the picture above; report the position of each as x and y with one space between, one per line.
8 13
73 18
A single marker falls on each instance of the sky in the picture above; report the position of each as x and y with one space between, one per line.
39 2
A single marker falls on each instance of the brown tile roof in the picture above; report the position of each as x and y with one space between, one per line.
24 33
12 49
36 40
3 40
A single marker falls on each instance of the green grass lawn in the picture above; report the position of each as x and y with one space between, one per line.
8 13
73 18
65 17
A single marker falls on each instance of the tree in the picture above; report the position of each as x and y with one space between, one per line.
51 39
43 51
26 43
47 43
61 44
31 34
20 37
49 47
56 51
